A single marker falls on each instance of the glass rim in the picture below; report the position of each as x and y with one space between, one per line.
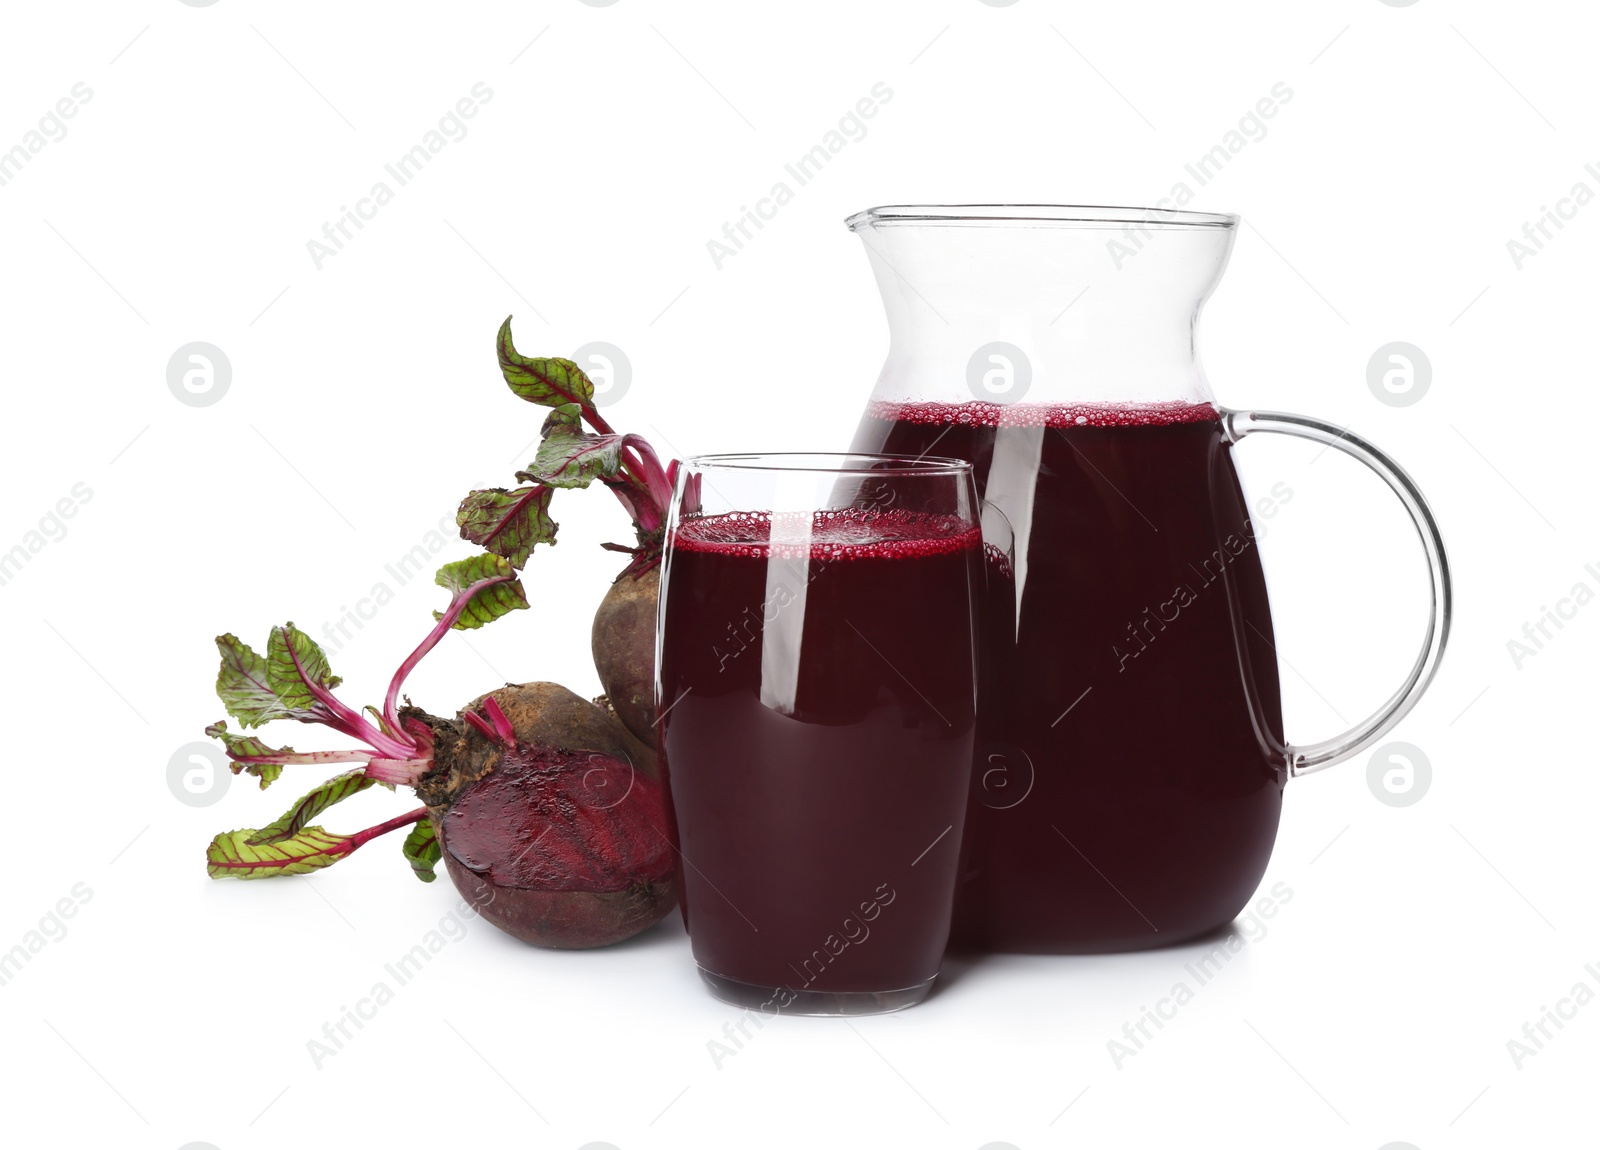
1062 215
828 463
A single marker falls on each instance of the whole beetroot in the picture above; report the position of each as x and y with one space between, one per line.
623 640
546 811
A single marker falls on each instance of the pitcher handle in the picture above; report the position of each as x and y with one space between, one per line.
1315 756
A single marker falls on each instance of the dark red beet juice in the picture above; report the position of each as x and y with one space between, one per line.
1126 792
817 736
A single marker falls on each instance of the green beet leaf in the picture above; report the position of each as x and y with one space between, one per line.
567 415
258 690
288 847
234 854
501 595
242 684
571 458
294 662
547 382
250 747
508 523
296 818
421 849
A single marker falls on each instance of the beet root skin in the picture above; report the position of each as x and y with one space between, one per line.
623 641
562 839
565 920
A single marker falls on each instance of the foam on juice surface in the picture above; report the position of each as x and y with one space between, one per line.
852 533
979 414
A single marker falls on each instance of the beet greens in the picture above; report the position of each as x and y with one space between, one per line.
544 807
293 681
510 523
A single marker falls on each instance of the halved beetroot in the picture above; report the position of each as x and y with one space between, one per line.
559 834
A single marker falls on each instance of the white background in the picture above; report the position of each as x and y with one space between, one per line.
365 402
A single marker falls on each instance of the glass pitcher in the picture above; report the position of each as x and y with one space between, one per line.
1131 759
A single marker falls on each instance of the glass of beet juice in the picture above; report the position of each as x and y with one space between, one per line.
817 650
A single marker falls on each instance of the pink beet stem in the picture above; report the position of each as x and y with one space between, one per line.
656 478
347 720
404 772
446 621
508 737
362 837
305 757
